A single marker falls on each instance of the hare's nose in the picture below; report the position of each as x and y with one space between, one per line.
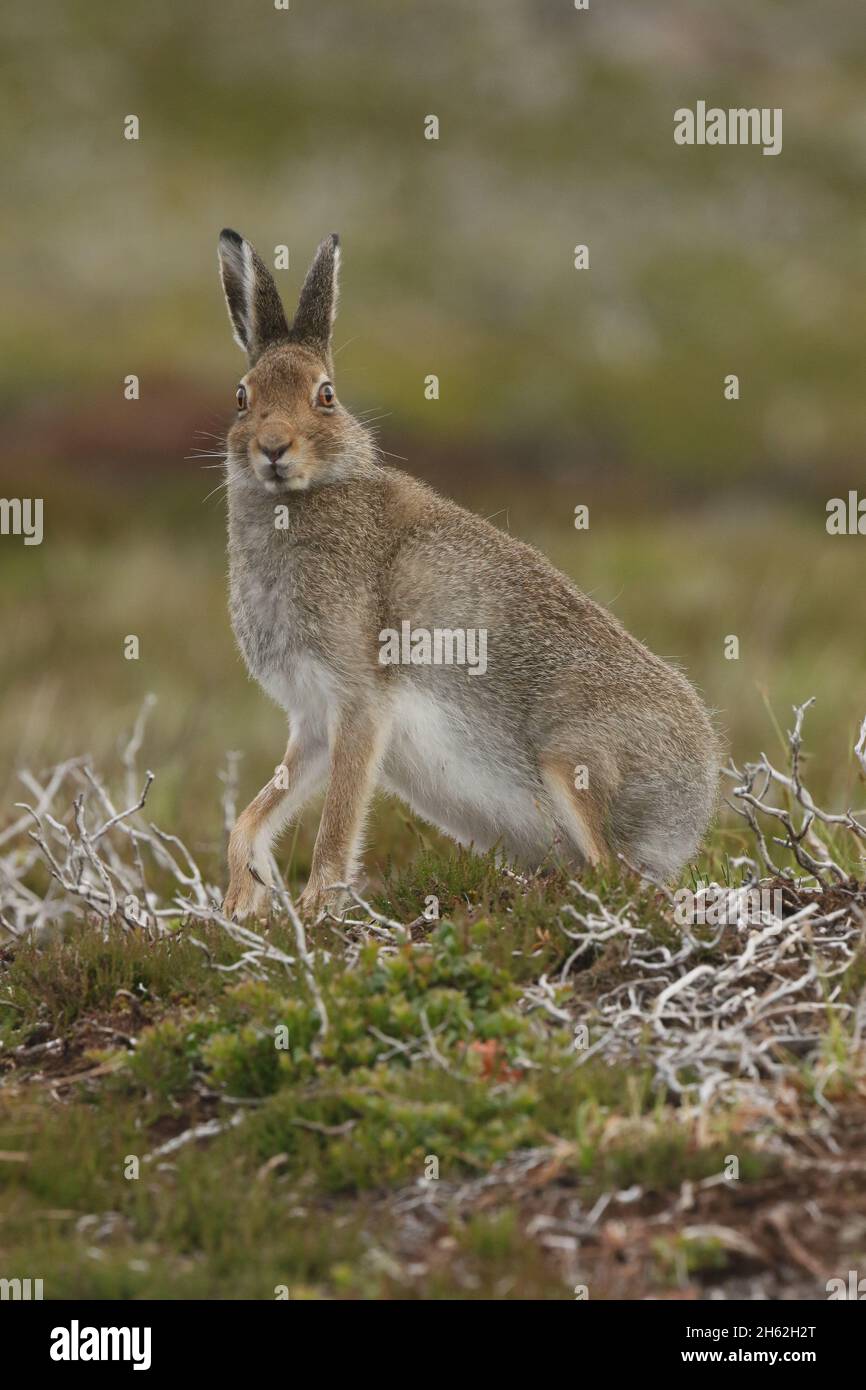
275 454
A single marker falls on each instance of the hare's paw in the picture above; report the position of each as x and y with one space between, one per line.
317 902
311 904
247 894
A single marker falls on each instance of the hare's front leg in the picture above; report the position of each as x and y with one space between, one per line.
298 777
355 753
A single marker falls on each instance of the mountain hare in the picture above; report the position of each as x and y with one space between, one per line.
418 648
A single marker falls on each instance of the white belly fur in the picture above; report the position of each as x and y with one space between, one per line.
459 779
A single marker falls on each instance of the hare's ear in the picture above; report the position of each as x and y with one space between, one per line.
253 299
317 306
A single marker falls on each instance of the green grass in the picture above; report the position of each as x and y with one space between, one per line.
298 1193
335 1130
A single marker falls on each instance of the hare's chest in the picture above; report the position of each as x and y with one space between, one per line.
269 625
305 691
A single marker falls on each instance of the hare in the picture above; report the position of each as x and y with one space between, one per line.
417 648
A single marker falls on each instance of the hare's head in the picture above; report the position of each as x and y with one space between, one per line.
291 432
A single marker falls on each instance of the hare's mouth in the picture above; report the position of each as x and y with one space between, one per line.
294 482
284 474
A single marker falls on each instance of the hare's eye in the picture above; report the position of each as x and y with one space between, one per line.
326 395
241 398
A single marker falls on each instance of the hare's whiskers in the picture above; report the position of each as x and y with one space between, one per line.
224 484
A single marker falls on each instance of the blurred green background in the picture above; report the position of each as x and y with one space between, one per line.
558 387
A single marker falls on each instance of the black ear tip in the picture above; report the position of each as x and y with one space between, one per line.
233 237
335 240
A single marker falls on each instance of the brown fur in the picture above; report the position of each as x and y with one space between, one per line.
491 757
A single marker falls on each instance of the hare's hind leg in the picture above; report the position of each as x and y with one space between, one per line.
298 777
577 810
